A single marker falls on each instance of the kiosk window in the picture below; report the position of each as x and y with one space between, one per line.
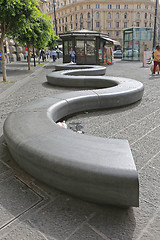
67 47
90 47
80 48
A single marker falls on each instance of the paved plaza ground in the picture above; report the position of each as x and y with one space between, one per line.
30 210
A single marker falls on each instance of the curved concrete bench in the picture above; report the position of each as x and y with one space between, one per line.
93 168
98 70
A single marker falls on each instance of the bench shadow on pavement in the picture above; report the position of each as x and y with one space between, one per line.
11 72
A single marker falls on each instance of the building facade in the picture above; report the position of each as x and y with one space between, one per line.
106 16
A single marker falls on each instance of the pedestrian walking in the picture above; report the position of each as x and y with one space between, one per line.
58 51
156 59
54 55
43 55
0 62
73 55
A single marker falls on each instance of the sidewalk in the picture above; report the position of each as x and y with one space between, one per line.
30 210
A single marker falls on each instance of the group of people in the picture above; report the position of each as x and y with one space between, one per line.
55 53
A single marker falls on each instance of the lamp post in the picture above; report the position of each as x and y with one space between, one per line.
92 19
155 26
55 20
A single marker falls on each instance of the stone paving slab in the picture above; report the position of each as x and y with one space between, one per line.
39 212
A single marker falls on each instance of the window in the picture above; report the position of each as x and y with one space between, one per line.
138 6
66 19
109 6
88 25
145 15
59 29
109 15
97 6
150 16
150 24
117 15
117 6
62 20
138 15
71 17
145 24
81 25
97 14
59 21
125 16
137 24
125 24
88 15
76 16
117 24
117 34
125 6
76 25
71 26
80 48
109 25
81 16
90 48
97 24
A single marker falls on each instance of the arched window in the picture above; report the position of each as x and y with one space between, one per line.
88 15
109 15
97 14
117 15
138 15
81 16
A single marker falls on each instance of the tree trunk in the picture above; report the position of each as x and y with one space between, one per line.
29 58
3 57
39 56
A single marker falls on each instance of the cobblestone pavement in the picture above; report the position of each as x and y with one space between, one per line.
31 210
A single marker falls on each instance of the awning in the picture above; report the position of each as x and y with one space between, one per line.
116 43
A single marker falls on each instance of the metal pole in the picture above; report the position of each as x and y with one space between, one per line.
155 26
55 20
92 19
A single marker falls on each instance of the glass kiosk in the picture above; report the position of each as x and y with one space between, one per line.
135 40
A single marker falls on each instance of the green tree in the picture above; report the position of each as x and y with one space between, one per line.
13 16
53 41
44 32
38 31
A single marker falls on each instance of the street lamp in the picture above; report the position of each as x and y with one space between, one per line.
55 20
155 23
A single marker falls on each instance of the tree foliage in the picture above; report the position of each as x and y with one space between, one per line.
38 32
14 15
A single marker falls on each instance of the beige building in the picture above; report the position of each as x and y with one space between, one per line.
109 17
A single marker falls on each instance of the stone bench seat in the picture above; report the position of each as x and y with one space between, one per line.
95 169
